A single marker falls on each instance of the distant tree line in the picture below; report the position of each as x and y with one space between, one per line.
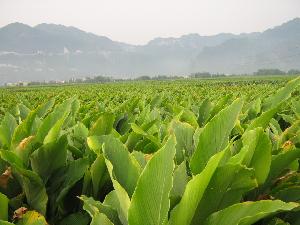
104 79
205 74
276 72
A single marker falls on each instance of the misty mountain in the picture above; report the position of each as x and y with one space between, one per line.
57 52
278 47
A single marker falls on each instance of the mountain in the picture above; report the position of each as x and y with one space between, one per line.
57 52
278 47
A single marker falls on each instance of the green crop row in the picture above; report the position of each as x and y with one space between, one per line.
153 153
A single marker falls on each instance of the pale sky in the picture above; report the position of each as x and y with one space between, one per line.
138 21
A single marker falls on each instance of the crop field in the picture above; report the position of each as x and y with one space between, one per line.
185 152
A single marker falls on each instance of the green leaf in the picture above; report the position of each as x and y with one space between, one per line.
74 172
255 154
277 221
80 130
7 127
290 194
248 213
281 95
100 218
126 169
263 120
98 174
214 136
189 117
11 158
180 179
138 130
33 187
23 130
281 162
95 143
121 194
54 132
24 111
32 218
221 104
204 112
49 157
54 121
2 222
4 207
184 212
78 218
226 187
95 207
184 137
150 201
43 109
103 125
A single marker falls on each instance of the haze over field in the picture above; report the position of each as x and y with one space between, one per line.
145 38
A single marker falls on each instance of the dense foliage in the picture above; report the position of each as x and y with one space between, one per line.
208 152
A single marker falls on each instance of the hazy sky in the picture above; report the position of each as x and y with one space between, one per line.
138 21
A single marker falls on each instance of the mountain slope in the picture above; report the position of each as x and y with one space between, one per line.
275 48
49 51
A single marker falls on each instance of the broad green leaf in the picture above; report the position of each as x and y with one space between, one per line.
156 101
255 154
150 201
32 218
49 157
290 134
2 222
126 169
281 95
281 162
43 109
100 218
53 121
133 137
262 120
24 111
248 213
215 135
95 207
4 207
33 187
95 143
277 221
11 158
80 130
103 125
122 195
78 218
140 158
184 212
23 130
74 172
54 132
7 127
112 200
290 194
226 187
254 108
98 174
180 179
25 148
204 112
221 104
140 131
188 117
184 138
